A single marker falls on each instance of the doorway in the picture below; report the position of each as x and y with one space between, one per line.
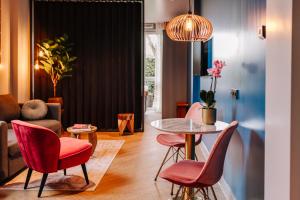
152 72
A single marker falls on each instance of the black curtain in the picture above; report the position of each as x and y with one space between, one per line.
108 75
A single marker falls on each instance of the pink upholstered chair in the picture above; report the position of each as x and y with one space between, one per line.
44 152
177 141
201 175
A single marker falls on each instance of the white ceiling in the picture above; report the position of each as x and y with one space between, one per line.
164 10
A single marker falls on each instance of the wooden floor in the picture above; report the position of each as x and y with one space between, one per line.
130 176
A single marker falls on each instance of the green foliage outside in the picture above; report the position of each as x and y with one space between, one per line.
150 72
150 67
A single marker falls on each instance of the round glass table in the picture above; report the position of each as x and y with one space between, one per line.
188 127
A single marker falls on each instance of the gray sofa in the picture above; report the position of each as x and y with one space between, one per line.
11 160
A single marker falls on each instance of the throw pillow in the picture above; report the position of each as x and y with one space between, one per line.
34 110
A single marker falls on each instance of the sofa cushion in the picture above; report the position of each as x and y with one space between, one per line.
51 124
34 110
9 108
12 143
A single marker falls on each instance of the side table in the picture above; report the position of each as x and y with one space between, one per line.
76 133
126 120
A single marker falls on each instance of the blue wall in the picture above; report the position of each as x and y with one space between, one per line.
236 41
196 88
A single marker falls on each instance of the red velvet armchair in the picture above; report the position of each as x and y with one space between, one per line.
44 152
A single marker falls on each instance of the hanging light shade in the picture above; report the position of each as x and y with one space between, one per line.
189 27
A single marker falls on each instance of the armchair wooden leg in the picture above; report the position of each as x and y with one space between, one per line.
42 184
65 172
28 178
85 174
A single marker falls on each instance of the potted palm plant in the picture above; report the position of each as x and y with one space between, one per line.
209 112
56 60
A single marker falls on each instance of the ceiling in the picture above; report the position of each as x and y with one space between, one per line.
163 10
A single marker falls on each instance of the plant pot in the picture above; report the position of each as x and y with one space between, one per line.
209 116
56 100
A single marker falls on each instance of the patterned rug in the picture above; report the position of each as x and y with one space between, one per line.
97 166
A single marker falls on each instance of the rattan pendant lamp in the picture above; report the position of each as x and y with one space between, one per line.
189 27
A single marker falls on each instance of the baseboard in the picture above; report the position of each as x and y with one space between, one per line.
222 183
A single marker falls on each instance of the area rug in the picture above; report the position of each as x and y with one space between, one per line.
97 166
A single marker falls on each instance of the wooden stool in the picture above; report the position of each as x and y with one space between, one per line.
126 119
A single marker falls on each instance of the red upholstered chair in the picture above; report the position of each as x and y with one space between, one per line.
177 141
201 175
44 152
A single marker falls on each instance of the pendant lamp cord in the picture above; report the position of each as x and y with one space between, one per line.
190 9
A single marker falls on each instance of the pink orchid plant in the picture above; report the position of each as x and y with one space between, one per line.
208 97
217 69
215 73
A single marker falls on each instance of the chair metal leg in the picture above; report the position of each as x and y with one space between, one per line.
28 178
196 157
162 164
213 191
85 174
65 172
177 154
42 184
183 154
183 193
204 193
176 160
177 193
172 189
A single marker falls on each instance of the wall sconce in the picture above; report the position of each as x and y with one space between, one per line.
36 65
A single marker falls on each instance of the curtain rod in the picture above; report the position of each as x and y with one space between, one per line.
102 1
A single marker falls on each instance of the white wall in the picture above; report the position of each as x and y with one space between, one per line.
278 100
163 10
23 49
15 37
5 47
